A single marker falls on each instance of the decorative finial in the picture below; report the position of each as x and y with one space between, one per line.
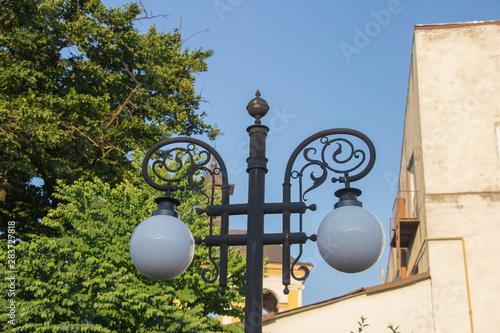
257 107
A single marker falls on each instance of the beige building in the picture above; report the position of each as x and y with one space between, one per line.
441 274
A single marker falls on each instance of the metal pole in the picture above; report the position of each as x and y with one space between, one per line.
257 169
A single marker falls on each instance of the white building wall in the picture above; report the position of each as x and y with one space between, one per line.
459 84
408 307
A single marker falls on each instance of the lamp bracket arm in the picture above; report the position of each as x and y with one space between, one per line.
347 153
176 160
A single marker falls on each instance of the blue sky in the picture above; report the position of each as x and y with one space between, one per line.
319 65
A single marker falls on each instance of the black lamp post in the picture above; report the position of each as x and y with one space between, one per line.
350 238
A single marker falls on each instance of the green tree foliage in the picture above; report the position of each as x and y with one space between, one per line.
84 280
80 87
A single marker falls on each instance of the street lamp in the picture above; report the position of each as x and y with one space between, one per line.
350 238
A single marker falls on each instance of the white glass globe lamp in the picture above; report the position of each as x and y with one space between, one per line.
162 246
350 238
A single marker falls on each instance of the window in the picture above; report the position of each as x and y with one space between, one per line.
269 302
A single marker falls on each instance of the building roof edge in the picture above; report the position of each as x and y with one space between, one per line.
361 291
454 24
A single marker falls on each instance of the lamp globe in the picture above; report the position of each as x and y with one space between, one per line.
351 239
161 247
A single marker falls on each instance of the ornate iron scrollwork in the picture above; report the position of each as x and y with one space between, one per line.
340 153
174 160
344 160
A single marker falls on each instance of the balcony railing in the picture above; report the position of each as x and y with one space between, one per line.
404 225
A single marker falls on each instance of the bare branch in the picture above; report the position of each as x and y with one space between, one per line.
181 41
122 107
78 10
2 18
126 68
141 4
74 128
129 97
6 134
147 18
183 101
196 33
111 148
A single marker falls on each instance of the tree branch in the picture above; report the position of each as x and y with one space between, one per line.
140 3
122 107
6 134
74 128
181 41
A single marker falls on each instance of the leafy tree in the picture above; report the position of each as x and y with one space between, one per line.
84 280
80 87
